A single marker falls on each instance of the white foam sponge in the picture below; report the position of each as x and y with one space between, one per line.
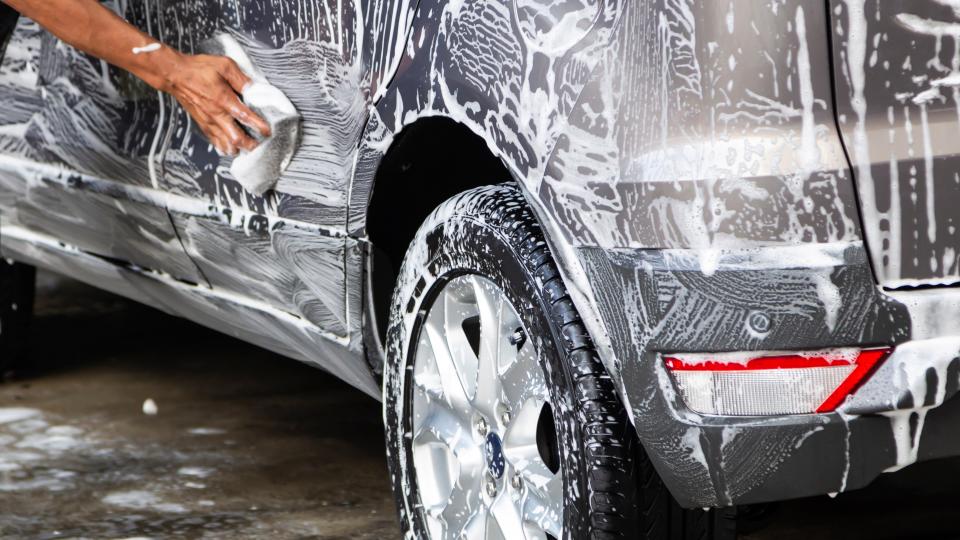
259 170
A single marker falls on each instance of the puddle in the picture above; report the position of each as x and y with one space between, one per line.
44 460
142 500
246 445
30 448
196 472
84 478
206 431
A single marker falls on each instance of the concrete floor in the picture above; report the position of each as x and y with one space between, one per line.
246 444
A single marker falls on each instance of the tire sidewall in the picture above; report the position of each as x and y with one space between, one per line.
445 248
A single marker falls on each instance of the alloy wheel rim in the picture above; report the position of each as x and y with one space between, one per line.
483 440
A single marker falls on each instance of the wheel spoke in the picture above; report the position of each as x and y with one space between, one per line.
437 458
507 514
441 425
543 507
464 505
459 305
476 526
523 380
447 369
428 390
491 307
493 530
520 445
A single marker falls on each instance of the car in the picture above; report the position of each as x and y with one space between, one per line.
616 269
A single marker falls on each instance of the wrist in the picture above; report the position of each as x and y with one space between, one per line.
159 68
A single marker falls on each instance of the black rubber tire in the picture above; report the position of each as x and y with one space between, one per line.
491 232
17 283
663 519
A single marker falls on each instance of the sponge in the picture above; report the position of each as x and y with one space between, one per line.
259 169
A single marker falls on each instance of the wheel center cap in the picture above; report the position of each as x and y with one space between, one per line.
494 452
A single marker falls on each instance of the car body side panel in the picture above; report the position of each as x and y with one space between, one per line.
237 316
285 254
706 126
76 136
897 67
288 248
93 215
709 151
511 71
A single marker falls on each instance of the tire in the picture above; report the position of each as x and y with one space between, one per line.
663 518
610 489
17 283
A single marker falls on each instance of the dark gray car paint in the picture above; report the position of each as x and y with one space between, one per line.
685 158
898 89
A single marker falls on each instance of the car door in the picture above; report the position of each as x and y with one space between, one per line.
79 160
287 249
897 72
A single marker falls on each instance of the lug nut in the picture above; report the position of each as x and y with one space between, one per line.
516 481
505 418
518 338
491 488
482 426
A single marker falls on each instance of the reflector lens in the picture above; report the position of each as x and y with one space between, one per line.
777 384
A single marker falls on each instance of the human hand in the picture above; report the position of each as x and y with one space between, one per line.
208 87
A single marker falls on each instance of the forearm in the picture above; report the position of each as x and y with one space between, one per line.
93 28
206 86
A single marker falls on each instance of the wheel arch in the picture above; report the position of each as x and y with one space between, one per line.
392 175
388 231
433 85
429 161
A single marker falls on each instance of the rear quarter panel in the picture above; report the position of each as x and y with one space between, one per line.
684 158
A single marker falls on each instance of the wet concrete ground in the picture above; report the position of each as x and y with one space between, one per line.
246 444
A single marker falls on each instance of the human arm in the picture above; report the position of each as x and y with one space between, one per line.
206 86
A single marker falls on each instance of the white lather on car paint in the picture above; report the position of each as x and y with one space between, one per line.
728 229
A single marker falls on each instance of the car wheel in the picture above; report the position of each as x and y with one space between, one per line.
16 309
501 421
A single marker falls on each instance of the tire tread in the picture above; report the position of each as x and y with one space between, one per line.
608 437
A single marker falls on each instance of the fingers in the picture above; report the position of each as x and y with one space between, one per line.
214 134
247 117
211 130
251 119
238 81
219 126
207 87
232 73
234 135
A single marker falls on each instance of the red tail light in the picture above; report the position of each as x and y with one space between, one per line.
757 384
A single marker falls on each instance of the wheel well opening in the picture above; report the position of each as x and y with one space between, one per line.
429 162
8 22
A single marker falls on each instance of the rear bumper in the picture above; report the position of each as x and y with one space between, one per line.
653 301
907 412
